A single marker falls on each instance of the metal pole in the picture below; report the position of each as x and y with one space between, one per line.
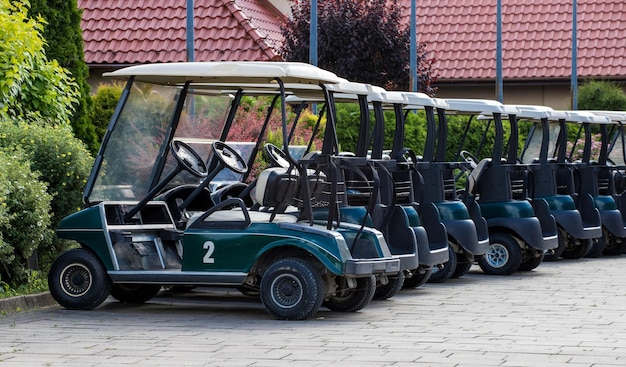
574 81
499 84
313 34
190 31
413 48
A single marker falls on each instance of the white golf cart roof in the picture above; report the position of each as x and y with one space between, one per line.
474 106
242 72
615 116
587 116
532 112
344 91
416 101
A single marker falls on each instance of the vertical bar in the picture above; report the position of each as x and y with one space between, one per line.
499 84
190 31
313 34
574 80
413 48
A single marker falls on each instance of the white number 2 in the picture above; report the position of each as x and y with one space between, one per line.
209 246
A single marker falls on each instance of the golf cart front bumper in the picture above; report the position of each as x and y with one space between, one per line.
379 266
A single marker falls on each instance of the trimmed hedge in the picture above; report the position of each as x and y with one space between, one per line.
63 163
24 215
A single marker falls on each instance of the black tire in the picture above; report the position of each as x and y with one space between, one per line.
578 250
614 247
386 291
352 300
417 279
531 263
134 293
503 257
598 246
77 280
441 275
555 254
292 289
462 268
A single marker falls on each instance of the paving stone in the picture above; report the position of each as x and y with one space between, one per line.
564 313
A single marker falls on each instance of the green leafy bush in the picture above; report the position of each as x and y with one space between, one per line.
104 103
64 164
25 223
601 95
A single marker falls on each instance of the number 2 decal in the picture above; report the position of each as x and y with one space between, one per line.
209 246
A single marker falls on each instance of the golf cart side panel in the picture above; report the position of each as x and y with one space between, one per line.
548 223
238 250
589 213
436 250
482 230
612 221
87 228
402 227
528 229
464 233
572 222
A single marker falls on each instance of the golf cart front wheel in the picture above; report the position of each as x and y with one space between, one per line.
503 257
291 289
77 280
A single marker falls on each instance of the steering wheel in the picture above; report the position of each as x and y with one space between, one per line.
188 159
469 158
229 157
276 155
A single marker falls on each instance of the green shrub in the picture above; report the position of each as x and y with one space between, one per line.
104 103
64 164
601 95
25 223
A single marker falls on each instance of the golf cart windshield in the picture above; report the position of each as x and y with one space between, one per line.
132 157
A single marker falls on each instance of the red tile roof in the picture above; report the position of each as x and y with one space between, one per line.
461 34
141 31
536 37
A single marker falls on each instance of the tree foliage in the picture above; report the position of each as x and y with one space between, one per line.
362 41
64 43
32 88
601 95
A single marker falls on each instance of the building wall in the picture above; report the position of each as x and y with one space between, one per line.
556 96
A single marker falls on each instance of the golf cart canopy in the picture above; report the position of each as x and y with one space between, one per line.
245 72
194 103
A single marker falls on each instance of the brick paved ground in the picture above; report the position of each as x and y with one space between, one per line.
568 313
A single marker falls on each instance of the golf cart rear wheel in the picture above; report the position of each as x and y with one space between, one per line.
461 269
352 299
292 289
576 251
441 275
614 247
77 280
554 254
417 279
531 263
503 257
134 293
385 291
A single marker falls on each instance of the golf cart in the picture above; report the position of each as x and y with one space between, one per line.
151 219
551 178
594 175
435 188
519 232
366 188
